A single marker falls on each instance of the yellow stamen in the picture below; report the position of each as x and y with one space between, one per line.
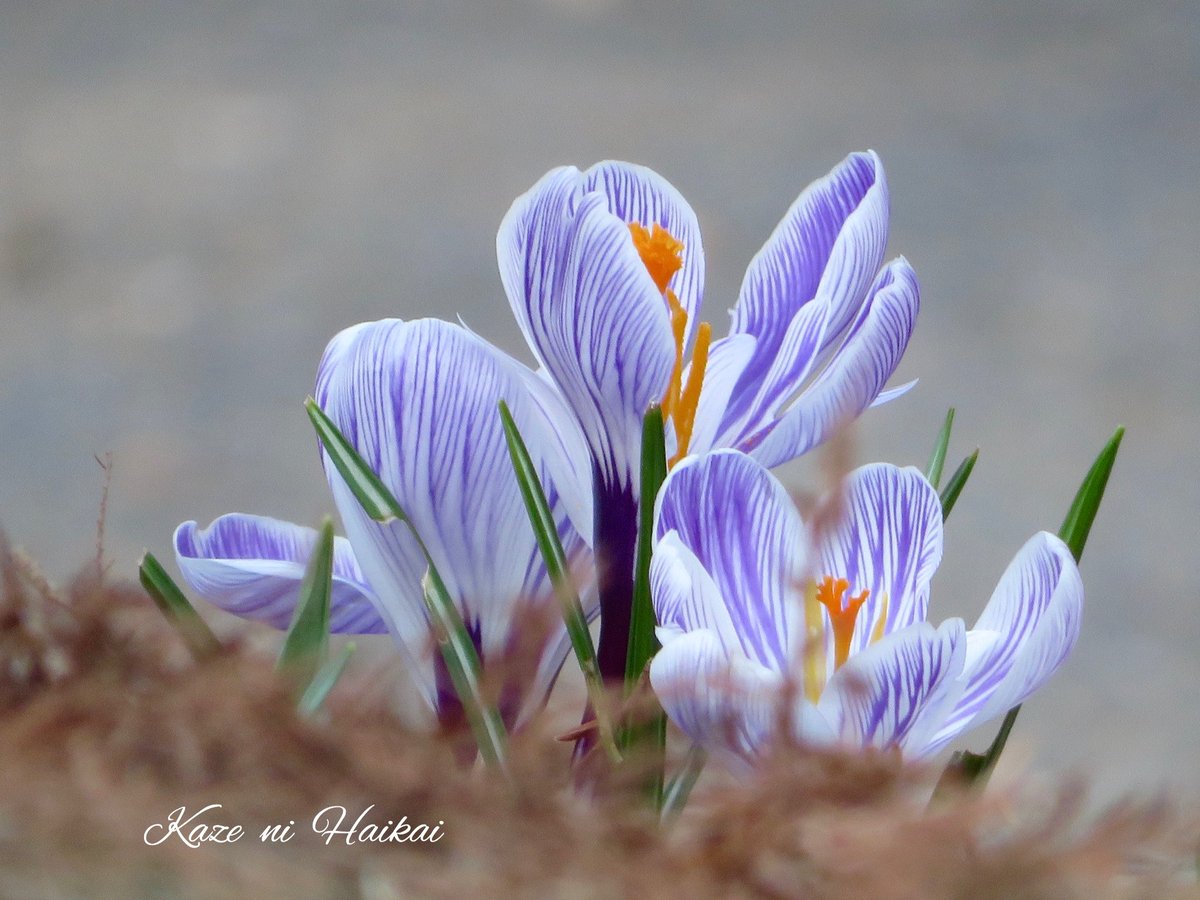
830 593
814 646
877 632
661 253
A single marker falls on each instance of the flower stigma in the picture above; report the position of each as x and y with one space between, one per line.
843 613
662 255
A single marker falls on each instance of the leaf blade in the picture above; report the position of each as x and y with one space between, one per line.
324 680
307 637
370 491
1082 514
937 459
954 487
174 605
458 649
555 558
648 736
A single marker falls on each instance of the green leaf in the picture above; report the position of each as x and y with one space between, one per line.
545 529
372 494
646 738
458 650
680 788
462 664
642 642
175 606
322 683
976 768
937 459
308 636
956 483
1078 524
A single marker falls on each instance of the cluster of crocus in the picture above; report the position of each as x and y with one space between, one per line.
604 271
837 615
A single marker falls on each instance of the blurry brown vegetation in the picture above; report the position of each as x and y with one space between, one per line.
107 725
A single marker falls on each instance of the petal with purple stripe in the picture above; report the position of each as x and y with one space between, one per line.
592 315
727 358
888 542
727 704
1024 634
685 596
830 244
743 528
855 376
639 194
897 686
419 402
252 566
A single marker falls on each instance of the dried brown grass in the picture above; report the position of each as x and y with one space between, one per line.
107 724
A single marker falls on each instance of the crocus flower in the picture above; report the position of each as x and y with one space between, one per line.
604 270
418 400
750 600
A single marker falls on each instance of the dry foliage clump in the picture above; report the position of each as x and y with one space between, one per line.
107 726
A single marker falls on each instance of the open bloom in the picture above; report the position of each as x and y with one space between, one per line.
418 400
604 270
749 600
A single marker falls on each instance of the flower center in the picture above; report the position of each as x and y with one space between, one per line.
662 255
843 614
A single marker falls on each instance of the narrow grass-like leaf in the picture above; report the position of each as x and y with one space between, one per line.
462 664
642 642
956 483
545 529
175 606
322 683
1078 524
648 736
976 768
372 494
676 796
937 459
458 649
308 635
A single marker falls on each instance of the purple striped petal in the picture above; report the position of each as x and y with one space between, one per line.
252 566
888 542
890 394
686 598
1025 633
419 402
856 373
896 687
726 704
638 194
591 313
829 246
743 528
727 358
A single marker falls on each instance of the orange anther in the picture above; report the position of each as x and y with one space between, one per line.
661 253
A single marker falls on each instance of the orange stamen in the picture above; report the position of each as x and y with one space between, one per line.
662 256
689 401
661 253
678 329
830 593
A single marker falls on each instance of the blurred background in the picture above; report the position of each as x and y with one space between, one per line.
195 197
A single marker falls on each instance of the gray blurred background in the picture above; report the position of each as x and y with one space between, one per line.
194 197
